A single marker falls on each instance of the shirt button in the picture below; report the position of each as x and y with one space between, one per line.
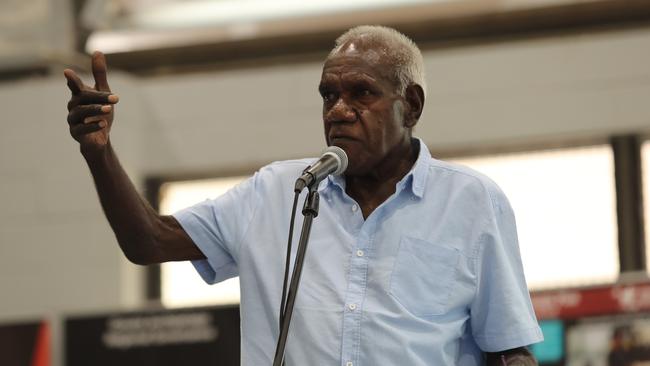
355 208
352 306
359 253
348 363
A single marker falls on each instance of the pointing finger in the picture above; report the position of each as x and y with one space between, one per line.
99 71
74 82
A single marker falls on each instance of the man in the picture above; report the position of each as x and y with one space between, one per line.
412 261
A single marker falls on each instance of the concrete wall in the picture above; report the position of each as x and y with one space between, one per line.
57 253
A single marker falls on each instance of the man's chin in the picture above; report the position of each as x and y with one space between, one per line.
348 145
354 151
356 168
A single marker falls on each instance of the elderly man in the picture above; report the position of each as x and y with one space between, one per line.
412 261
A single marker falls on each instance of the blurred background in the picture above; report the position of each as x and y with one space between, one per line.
550 98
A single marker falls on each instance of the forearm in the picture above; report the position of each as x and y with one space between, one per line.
144 236
514 357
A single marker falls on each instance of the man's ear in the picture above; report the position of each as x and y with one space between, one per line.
414 96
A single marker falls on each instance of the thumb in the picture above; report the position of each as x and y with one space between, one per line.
99 71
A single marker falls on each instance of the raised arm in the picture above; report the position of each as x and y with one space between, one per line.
144 236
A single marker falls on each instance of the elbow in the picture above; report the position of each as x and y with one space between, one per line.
163 241
139 259
141 255
144 245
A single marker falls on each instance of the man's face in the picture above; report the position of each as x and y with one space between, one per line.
362 112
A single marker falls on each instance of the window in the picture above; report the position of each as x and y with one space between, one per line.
181 284
565 205
564 202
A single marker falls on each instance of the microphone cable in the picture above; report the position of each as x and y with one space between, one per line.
288 260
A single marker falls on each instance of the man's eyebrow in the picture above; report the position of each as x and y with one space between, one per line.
360 77
324 84
361 81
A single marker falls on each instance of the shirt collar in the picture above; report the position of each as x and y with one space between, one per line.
331 182
415 179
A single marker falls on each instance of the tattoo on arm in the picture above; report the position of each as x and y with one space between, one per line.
514 357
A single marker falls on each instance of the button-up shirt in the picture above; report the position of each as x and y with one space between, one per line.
432 276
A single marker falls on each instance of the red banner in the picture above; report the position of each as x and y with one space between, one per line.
578 303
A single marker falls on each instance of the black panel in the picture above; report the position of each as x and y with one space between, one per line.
201 336
17 344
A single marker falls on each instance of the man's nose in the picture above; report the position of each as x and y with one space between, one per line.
341 112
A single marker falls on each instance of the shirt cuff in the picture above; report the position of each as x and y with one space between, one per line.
218 265
496 342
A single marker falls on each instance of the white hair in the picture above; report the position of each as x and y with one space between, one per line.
401 52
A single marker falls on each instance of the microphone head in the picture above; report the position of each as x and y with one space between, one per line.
341 157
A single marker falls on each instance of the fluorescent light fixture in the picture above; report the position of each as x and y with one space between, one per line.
147 25
170 24
216 13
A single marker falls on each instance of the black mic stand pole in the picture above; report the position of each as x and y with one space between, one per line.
309 211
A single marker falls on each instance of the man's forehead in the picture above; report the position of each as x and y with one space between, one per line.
350 58
372 52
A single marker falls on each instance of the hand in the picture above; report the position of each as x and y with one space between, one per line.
91 109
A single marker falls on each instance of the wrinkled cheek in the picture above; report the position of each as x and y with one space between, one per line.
326 130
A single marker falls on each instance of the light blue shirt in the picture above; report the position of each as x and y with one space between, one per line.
432 277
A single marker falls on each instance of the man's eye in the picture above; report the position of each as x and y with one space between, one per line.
363 92
329 96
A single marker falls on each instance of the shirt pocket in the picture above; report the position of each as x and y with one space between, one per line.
423 276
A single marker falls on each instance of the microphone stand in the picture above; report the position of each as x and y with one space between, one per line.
309 211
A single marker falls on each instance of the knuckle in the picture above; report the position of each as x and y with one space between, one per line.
86 96
71 104
74 132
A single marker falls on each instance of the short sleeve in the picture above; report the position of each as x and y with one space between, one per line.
217 227
501 314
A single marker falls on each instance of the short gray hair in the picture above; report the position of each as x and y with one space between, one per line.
402 53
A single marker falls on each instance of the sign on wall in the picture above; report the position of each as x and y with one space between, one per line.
200 336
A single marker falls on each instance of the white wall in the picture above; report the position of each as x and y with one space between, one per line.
57 253
574 86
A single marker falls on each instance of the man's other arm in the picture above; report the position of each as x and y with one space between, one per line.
144 236
513 357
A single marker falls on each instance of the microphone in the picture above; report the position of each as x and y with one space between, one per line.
332 161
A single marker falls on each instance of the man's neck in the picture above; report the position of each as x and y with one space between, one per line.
372 189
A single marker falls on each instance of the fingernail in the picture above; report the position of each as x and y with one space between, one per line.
113 98
102 123
106 108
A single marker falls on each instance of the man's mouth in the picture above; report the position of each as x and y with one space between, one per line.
334 138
